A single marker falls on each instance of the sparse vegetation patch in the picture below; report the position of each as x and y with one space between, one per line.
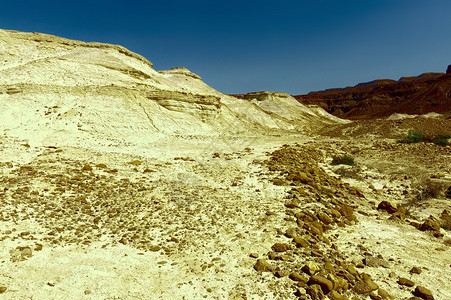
442 139
344 159
417 137
412 137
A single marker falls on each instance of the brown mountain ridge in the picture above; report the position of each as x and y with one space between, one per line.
428 92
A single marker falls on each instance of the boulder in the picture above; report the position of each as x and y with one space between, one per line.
334 295
326 284
405 281
280 247
366 285
423 293
262 265
298 277
310 268
430 224
389 207
300 242
315 292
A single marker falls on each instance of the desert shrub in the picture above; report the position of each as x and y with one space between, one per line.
412 137
431 189
347 172
428 189
344 159
441 139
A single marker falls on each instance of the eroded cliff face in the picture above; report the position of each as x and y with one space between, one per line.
429 92
52 88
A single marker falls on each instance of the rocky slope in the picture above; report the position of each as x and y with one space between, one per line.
52 88
429 92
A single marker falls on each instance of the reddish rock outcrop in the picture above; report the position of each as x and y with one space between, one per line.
429 92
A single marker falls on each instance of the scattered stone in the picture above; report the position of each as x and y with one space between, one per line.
291 232
86 168
278 181
325 284
371 261
400 214
3 289
300 292
347 211
301 242
430 224
351 269
154 248
334 295
280 247
389 207
281 273
328 266
448 191
26 252
438 234
136 162
298 277
293 203
262 265
315 292
415 270
335 213
423 293
366 285
310 268
284 257
384 294
339 283
405 281
253 255
374 296
325 218
87 292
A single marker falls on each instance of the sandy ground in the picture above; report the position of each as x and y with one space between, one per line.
210 214
202 215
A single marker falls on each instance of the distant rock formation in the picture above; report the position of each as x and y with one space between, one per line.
428 92
448 70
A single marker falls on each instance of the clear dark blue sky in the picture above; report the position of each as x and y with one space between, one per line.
241 46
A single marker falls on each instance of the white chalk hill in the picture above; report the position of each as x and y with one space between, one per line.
59 91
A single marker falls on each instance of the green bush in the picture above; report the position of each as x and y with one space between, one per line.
412 137
344 159
442 139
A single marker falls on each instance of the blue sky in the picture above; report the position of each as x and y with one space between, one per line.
242 46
